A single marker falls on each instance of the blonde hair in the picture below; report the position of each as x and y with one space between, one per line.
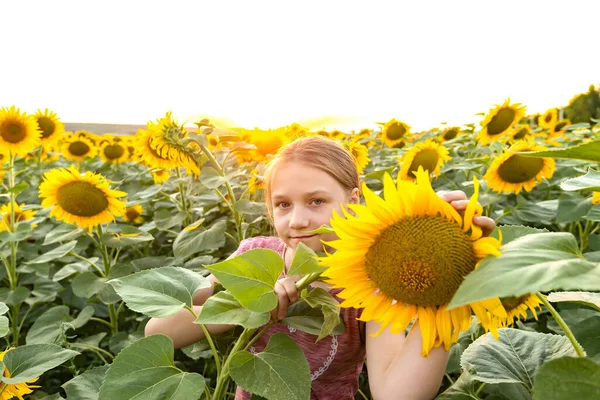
317 152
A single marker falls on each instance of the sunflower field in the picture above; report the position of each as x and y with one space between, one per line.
99 233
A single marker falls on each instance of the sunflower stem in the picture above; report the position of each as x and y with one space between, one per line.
208 337
563 325
223 377
114 320
97 268
184 203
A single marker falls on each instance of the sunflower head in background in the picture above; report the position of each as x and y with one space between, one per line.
19 132
450 133
558 130
596 198
405 256
133 214
10 390
394 132
516 308
521 132
213 141
428 155
360 154
267 143
50 126
85 200
20 215
78 148
160 176
113 150
499 121
148 155
512 173
548 119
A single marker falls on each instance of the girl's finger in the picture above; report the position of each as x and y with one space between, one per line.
460 205
289 284
452 195
278 313
485 223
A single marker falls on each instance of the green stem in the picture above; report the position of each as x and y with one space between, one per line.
97 268
184 203
583 239
114 319
104 252
100 320
259 334
563 325
93 348
15 324
479 389
223 377
208 337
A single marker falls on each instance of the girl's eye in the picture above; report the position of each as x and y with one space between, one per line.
318 202
282 204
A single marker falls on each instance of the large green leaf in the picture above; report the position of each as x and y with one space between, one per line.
145 371
87 284
159 292
587 333
189 242
270 373
304 262
594 214
128 236
532 263
320 298
49 327
463 389
55 253
223 308
250 278
515 357
62 233
87 385
4 326
311 320
512 232
589 181
22 232
587 151
568 378
589 299
572 207
30 361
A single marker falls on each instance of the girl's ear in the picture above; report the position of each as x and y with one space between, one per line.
355 196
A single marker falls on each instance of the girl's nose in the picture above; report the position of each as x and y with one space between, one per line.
299 219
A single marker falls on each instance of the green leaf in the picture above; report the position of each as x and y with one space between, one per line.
568 378
515 357
87 284
250 278
47 328
211 178
512 232
147 193
587 333
304 262
538 212
269 374
320 298
464 341
18 188
222 308
196 241
16 297
55 253
249 207
31 360
586 298
22 232
129 236
62 233
159 292
4 326
303 317
322 229
3 308
73 268
165 219
572 207
594 214
463 389
145 371
587 151
589 181
87 385
530 264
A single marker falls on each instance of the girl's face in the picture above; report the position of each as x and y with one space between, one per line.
303 198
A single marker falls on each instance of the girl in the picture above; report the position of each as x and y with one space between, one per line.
305 182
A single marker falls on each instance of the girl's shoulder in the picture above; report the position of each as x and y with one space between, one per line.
260 242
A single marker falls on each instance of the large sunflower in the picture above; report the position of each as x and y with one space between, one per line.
8 391
113 151
20 215
394 132
516 308
150 156
50 126
499 121
360 153
85 200
429 155
78 148
548 119
405 257
19 132
511 173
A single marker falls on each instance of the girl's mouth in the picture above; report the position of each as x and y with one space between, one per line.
303 237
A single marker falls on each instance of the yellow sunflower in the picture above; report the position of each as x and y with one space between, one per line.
8 391
213 141
521 132
511 173
405 257
78 148
548 119
85 200
19 132
148 155
267 143
256 182
160 176
336 135
516 308
20 215
360 153
394 132
113 151
596 198
3 166
559 128
450 133
133 214
499 121
429 155
50 126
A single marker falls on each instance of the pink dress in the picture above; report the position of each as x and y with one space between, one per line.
336 361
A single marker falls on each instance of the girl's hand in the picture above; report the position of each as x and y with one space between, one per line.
287 294
458 200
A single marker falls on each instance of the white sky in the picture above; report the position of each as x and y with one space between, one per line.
271 63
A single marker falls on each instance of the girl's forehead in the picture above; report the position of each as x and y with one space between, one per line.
295 177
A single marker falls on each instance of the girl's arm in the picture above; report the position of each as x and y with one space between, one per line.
396 368
180 327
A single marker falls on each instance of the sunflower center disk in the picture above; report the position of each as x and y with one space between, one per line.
47 126
451 134
427 159
501 121
519 169
396 131
82 199
79 148
114 151
420 260
131 214
520 134
510 303
13 133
